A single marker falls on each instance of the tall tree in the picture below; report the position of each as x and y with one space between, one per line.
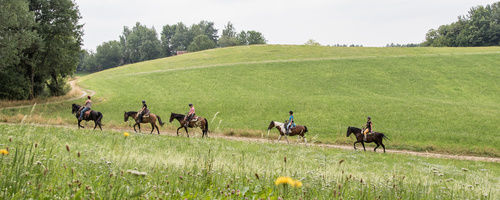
201 42
140 43
16 35
228 37
254 37
108 54
166 39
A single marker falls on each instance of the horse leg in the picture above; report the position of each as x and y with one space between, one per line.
286 137
152 128
383 146
187 133
355 145
376 146
178 130
139 125
134 127
100 126
279 138
157 129
95 124
363 143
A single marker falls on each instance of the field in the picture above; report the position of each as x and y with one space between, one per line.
49 162
424 99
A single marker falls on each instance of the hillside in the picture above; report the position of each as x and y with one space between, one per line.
426 99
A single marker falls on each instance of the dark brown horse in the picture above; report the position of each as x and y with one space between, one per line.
93 115
373 137
145 119
195 122
297 130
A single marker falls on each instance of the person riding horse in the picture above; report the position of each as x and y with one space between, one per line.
144 111
368 128
291 123
190 115
86 107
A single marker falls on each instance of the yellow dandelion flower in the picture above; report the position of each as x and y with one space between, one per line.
126 134
297 184
4 152
284 180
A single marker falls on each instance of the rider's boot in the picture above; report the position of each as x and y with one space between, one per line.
364 137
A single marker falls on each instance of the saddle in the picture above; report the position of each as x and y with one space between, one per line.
86 115
195 118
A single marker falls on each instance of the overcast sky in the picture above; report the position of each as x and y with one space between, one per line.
366 22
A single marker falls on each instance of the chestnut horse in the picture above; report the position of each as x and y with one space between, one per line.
297 130
195 122
373 137
151 119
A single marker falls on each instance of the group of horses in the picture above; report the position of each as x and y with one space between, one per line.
202 123
196 122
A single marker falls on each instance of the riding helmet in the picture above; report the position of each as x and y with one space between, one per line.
143 101
88 97
369 117
291 112
190 104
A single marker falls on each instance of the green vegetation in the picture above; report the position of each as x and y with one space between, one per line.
39 46
480 27
48 162
424 99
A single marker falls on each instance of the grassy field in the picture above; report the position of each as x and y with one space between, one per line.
424 99
48 162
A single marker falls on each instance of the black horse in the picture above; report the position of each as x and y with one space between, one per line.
374 137
94 116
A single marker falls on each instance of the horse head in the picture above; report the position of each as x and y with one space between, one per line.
271 125
125 116
349 131
171 117
74 108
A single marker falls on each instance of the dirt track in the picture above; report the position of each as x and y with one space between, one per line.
264 140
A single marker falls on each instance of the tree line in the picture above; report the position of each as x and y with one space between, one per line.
40 42
141 43
480 27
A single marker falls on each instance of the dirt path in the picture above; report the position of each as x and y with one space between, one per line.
74 86
292 142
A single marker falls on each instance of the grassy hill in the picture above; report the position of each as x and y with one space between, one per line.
427 99
57 163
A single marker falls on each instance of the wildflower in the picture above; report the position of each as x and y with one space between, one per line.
297 184
126 134
284 180
4 152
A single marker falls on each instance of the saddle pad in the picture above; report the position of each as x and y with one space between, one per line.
145 116
195 118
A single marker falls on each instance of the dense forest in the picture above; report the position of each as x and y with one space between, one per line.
141 43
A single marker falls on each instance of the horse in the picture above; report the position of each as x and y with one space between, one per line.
94 116
374 137
297 130
151 119
200 122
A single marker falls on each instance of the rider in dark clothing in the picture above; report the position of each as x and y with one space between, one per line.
143 111
368 128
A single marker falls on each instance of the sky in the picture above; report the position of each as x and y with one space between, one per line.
365 22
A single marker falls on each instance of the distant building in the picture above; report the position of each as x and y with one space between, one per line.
181 52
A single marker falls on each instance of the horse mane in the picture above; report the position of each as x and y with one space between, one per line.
354 128
176 115
131 112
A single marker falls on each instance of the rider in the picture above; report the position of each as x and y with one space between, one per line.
144 110
291 123
368 128
190 115
87 106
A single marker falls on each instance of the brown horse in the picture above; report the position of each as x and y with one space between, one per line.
93 115
151 119
374 137
195 122
297 130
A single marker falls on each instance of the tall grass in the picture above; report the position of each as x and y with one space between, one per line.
55 163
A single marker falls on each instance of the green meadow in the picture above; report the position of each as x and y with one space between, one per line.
52 163
423 99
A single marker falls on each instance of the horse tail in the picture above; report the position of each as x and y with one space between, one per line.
159 120
305 131
385 137
99 117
